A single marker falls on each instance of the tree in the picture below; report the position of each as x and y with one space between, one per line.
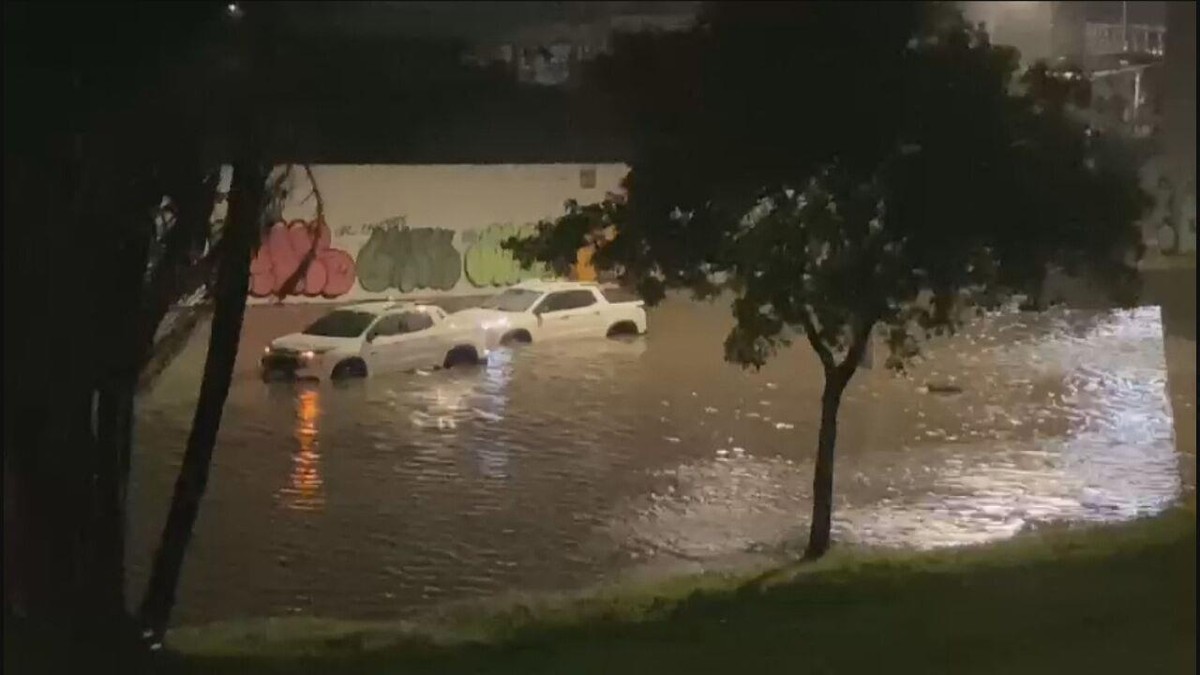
102 136
232 284
118 120
847 171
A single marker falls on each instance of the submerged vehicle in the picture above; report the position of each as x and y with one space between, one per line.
534 311
371 338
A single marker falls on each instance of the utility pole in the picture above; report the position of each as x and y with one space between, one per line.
1125 26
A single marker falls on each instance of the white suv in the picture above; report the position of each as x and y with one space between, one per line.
371 338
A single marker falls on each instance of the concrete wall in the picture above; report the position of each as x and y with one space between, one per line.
413 231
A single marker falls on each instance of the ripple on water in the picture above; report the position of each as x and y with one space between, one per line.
561 465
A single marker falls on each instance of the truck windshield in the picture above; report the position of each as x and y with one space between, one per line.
512 300
341 323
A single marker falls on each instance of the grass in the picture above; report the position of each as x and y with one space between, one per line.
1117 599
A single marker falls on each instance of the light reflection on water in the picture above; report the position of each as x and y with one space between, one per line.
304 489
1066 425
562 465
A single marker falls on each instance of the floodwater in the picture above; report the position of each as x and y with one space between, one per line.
560 466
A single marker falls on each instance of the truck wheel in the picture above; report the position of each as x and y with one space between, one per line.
349 369
516 337
622 329
461 356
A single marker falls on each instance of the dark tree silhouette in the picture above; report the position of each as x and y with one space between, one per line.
118 115
118 119
850 169
233 275
124 112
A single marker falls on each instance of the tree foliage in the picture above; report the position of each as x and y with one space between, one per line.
844 168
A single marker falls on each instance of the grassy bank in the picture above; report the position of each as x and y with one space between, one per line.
1116 599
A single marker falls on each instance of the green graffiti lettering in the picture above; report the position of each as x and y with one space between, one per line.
409 259
487 263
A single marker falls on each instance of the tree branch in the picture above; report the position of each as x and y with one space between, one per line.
315 193
175 275
289 286
814 339
858 346
233 276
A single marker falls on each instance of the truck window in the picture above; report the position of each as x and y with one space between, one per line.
619 295
565 300
388 325
341 323
412 322
512 300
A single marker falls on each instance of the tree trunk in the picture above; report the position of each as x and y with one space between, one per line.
113 430
233 275
822 510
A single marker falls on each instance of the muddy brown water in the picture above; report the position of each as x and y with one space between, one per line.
560 466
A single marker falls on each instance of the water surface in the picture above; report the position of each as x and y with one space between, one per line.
563 465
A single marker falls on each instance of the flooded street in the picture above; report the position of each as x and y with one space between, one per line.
560 466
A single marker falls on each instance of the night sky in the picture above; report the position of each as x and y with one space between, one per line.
464 20
492 20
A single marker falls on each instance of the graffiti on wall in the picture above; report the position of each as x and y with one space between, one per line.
300 252
367 228
382 254
487 263
409 259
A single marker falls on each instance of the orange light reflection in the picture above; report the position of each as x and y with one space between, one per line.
305 489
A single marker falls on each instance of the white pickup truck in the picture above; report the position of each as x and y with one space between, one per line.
533 311
374 337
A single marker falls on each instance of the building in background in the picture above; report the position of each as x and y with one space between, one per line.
1140 59
426 107
1115 38
1118 45
1123 56
1177 234
1024 25
551 52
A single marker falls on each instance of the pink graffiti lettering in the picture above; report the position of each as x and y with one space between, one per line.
286 247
